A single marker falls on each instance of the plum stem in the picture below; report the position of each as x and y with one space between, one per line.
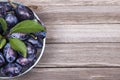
13 5
34 36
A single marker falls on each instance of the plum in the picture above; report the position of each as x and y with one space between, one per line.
36 43
31 51
7 6
21 36
24 13
41 35
12 69
9 53
11 20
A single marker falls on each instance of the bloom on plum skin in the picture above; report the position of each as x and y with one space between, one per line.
7 7
11 69
21 36
11 20
30 56
36 43
24 13
9 53
41 35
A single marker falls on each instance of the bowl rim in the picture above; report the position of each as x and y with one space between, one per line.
41 53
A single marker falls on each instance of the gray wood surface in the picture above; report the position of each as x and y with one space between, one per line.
72 74
83 40
81 55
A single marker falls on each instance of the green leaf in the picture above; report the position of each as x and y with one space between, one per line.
4 24
19 46
2 43
1 37
27 26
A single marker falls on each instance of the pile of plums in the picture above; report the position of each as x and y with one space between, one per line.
11 61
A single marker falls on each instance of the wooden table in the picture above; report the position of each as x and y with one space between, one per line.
83 40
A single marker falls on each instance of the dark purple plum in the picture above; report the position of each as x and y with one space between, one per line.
7 6
2 60
31 51
11 20
41 35
2 9
9 53
20 36
36 43
0 15
12 69
26 61
24 13
23 61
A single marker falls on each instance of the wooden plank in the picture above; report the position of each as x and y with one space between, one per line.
72 74
79 15
81 55
83 33
71 2
76 14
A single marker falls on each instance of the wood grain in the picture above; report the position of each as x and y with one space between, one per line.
79 15
83 33
76 14
72 74
81 55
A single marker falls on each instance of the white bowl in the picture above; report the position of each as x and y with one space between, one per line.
39 53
